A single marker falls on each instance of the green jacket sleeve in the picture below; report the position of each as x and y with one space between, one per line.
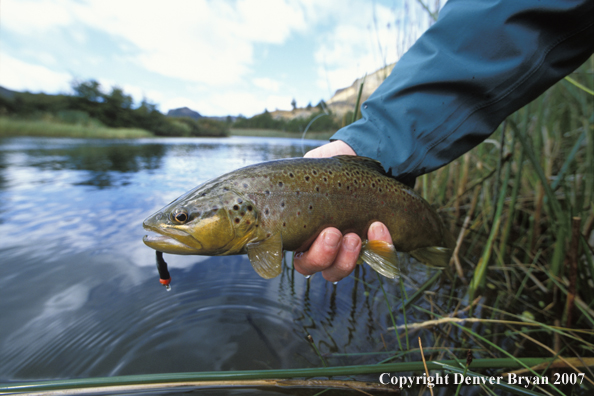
481 61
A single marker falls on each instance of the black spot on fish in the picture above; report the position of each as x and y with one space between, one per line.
310 207
242 214
284 224
304 225
291 175
247 222
380 190
282 204
356 181
266 211
339 184
268 235
235 207
239 200
348 187
245 185
325 179
317 189
373 185
330 172
306 178
249 208
237 220
225 189
315 173
203 195
267 192
280 184
215 208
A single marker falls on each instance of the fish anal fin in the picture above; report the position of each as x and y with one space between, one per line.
381 256
434 256
267 256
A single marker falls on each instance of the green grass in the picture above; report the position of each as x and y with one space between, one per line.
281 134
45 128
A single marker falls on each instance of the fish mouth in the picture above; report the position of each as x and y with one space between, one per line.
170 240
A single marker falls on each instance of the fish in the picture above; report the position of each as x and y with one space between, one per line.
265 209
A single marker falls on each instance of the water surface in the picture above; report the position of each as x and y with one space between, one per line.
79 292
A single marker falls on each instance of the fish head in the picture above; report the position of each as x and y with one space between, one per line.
203 223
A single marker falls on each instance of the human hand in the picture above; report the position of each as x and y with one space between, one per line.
331 253
334 255
337 147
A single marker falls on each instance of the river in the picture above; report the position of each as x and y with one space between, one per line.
80 295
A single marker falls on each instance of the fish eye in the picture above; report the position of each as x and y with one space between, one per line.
180 215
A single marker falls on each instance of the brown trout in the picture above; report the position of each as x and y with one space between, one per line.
266 208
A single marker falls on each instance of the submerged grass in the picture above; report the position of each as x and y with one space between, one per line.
44 128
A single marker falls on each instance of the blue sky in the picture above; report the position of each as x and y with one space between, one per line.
216 57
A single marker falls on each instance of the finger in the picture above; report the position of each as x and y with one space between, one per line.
345 260
337 147
321 253
378 231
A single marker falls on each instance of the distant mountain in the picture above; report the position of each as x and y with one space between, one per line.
184 112
7 93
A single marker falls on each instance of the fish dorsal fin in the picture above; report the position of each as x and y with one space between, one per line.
362 161
381 256
267 256
434 256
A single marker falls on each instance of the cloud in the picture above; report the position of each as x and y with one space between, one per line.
19 75
199 41
267 84
204 52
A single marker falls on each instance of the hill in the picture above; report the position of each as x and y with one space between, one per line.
184 112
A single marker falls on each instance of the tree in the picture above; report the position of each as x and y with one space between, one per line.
294 103
87 90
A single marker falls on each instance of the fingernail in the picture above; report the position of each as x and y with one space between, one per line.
335 283
298 255
350 243
378 230
307 276
331 239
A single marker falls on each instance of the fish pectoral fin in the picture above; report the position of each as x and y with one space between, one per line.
434 256
267 256
381 256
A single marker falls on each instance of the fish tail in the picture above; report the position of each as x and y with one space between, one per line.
381 256
448 239
434 256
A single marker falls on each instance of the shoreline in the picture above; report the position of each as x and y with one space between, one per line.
11 127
